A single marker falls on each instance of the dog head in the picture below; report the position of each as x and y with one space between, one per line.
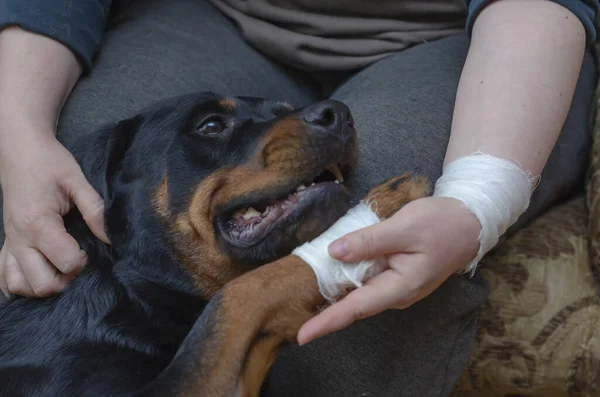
228 183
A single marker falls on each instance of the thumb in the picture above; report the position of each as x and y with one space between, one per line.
368 243
89 203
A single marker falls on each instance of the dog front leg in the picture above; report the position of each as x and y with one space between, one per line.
231 347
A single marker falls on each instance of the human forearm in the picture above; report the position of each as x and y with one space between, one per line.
518 82
37 75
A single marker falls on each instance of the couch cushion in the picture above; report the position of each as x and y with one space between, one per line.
539 334
593 190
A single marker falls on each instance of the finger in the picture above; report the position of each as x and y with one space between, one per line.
60 248
370 242
382 292
89 203
16 282
44 279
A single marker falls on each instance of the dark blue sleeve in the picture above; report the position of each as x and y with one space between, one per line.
585 10
78 24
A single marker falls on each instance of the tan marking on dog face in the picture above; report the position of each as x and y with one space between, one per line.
161 200
196 244
194 233
282 145
228 104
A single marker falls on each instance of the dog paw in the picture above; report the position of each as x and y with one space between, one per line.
388 197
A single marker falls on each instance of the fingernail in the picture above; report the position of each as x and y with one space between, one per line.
301 340
338 248
104 237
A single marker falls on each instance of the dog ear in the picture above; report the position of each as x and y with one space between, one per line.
119 141
101 153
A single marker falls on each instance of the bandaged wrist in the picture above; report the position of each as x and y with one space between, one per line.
495 190
335 278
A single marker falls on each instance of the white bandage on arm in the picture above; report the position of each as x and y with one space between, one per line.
335 277
495 190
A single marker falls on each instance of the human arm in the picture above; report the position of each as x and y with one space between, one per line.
39 177
520 75
514 94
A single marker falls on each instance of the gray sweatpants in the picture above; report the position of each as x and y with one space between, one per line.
402 106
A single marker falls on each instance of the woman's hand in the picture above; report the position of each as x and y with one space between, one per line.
40 179
40 182
425 242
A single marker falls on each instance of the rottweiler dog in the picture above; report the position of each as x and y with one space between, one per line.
205 198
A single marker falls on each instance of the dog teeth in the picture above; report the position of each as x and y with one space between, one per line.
251 213
335 170
300 188
312 184
336 181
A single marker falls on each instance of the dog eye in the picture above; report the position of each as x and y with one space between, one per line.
211 126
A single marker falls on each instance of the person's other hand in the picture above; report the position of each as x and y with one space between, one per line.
40 182
425 242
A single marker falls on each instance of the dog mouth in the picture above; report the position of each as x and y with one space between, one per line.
250 223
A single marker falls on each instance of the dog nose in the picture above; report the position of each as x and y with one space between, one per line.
333 116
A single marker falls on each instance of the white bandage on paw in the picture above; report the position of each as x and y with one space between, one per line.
335 277
495 190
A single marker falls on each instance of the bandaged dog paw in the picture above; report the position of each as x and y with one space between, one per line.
424 243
